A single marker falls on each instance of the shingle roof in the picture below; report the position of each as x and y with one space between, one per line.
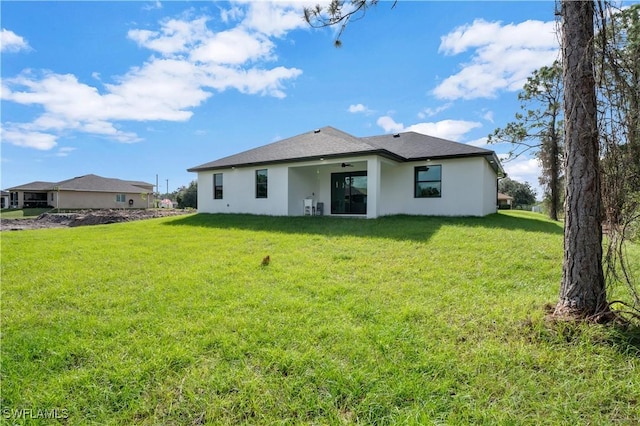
416 146
94 183
329 142
324 142
89 183
33 186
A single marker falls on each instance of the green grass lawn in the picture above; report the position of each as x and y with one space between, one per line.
23 213
404 320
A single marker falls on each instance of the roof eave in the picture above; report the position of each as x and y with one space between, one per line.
490 156
381 152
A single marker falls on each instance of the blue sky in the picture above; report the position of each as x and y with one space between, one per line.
132 90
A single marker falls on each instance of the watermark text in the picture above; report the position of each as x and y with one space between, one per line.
34 413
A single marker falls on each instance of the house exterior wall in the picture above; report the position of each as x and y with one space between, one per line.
469 188
490 185
95 200
17 199
239 191
303 183
87 200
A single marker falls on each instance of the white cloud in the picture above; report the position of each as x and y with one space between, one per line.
190 62
446 129
153 6
480 142
24 138
174 37
64 151
356 108
430 112
232 14
503 56
11 42
235 47
389 125
523 169
488 115
274 18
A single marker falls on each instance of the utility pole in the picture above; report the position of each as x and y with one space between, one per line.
156 193
167 188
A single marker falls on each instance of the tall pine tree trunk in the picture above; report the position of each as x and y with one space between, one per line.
582 292
554 168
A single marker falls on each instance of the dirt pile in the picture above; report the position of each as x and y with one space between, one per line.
85 218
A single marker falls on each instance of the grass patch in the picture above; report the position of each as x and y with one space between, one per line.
402 319
23 213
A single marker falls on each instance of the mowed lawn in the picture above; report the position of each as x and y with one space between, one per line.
404 320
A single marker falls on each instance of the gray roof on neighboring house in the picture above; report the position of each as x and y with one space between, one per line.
87 183
33 186
329 142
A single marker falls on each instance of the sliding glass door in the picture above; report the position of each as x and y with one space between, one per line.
349 193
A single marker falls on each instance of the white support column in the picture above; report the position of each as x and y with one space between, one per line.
373 187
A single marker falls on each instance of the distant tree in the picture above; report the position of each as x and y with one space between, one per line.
539 129
522 193
188 196
618 78
619 104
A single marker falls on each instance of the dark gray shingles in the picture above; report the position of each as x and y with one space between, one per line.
94 183
33 186
326 142
331 142
412 145
90 183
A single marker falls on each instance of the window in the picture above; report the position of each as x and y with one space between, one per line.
428 182
121 198
217 186
261 183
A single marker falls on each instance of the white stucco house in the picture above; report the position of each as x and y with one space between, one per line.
330 172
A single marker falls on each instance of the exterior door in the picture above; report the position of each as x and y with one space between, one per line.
349 193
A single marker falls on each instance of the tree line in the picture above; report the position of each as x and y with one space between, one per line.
185 196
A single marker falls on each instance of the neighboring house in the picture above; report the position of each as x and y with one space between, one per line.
405 173
83 192
166 204
4 199
505 201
